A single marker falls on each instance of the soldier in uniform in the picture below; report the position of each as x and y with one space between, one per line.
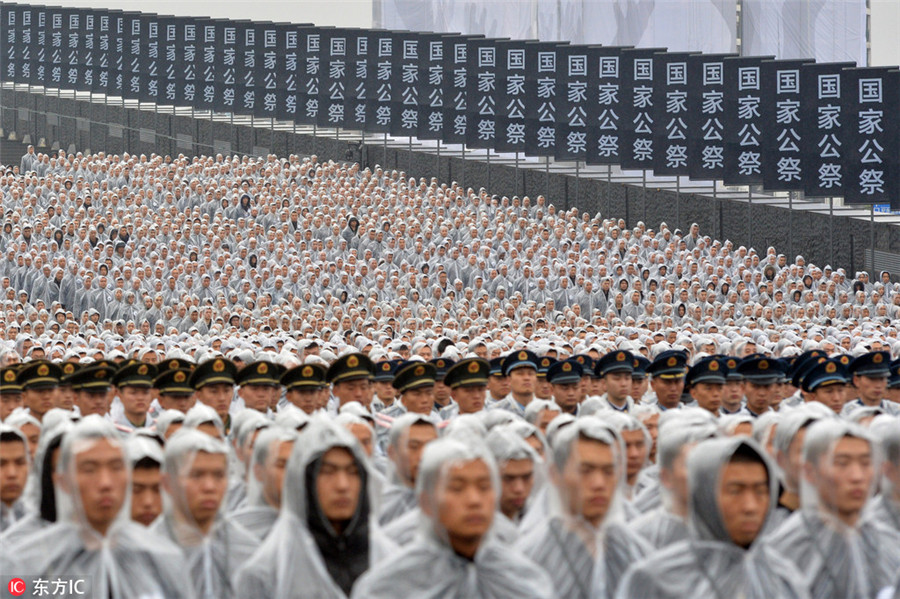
303 385
826 382
441 391
10 392
258 382
133 383
93 389
565 381
869 374
174 391
761 375
667 372
520 367
213 383
616 368
414 382
467 380
706 380
350 377
39 380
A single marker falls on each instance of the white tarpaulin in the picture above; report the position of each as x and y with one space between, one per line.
827 30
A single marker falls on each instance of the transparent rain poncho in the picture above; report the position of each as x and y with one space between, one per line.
789 428
126 560
585 559
202 414
667 523
40 494
290 562
291 417
429 568
399 496
17 511
165 421
260 511
244 427
646 490
839 555
211 557
709 563
886 507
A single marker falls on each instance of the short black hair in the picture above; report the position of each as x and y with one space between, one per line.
146 463
11 437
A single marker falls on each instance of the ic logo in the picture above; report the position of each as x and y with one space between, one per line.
16 587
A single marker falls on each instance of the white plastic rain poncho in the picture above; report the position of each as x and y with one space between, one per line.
211 557
245 425
838 558
304 555
667 523
709 564
40 494
583 559
506 445
886 507
399 496
429 568
260 512
9 515
126 560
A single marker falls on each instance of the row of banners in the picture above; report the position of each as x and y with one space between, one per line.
788 125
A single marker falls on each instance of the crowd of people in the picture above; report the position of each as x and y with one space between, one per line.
238 377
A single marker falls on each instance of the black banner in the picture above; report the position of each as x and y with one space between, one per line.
27 47
706 116
405 110
248 43
57 47
511 70
744 125
670 112
541 97
269 63
872 155
481 93
310 71
782 93
604 106
332 82
169 80
456 80
102 52
357 74
637 124
430 86
822 129
572 118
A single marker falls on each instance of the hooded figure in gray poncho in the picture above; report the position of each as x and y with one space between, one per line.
840 553
886 507
455 553
195 480
94 537
584 544
326 535
265 480
733 490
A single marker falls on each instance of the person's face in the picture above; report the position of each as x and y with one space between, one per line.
39 401
498 386
639 387
338 485
359 390
834 396
758 396
871 390
843 478
307 399
418 436
567 395
517 480
135 400
470 398
101 480
256 397
618 385
92 401
635 452
13 471
676 478
522 380
743 500
177 401
668 391
466 503
272 472
146 499
204 484
8 403
589 479
218 396
420 400
708 395
364 435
